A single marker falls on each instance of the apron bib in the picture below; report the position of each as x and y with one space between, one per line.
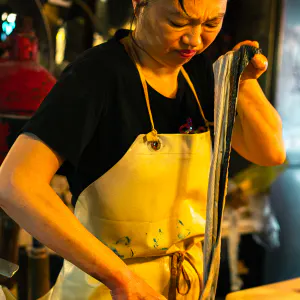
150 210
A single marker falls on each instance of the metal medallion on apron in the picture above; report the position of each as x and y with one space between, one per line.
150 210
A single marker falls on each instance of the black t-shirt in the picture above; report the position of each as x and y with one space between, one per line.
97 109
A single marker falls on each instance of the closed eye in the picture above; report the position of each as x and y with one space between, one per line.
212 25
178 25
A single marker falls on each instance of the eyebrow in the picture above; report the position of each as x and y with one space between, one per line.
184 15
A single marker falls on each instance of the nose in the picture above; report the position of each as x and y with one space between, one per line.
193 38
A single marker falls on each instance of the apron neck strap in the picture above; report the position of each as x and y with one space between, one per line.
187 78
152 136
127 42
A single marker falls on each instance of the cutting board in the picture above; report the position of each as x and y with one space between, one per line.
285 290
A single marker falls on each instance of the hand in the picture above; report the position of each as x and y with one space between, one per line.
135 289
258 64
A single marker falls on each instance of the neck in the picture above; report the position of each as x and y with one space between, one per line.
150 65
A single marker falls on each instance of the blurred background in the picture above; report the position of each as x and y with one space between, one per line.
261 244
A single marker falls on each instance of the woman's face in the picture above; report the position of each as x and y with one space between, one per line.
164 30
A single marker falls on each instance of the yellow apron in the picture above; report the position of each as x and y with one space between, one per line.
6 294
150 209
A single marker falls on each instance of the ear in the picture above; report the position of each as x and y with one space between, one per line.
138 5
135 4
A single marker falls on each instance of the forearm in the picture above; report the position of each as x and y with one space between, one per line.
37 208
258 129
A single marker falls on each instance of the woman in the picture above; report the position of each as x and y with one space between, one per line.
139 187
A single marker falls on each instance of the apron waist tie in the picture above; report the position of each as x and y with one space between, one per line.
177 270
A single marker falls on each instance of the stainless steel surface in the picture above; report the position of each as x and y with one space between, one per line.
7 268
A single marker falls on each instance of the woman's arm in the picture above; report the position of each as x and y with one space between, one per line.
26 196
257 133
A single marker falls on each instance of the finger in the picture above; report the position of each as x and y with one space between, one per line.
246 43
239 45
255 44
260 62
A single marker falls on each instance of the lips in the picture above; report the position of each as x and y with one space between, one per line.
187 53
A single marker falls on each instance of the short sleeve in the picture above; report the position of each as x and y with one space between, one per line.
67 118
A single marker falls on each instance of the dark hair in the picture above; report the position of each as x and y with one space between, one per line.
145 3
182 5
